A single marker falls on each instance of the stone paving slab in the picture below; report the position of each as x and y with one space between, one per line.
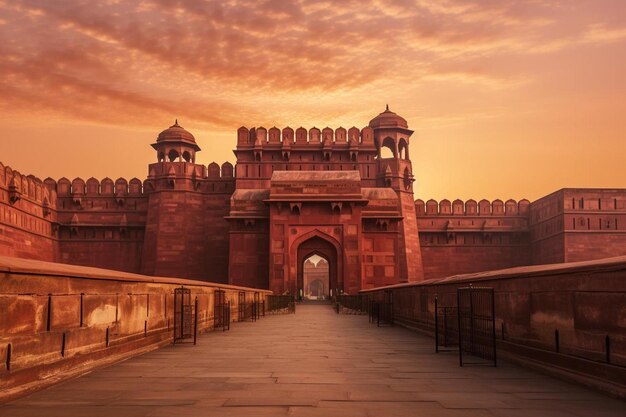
313 363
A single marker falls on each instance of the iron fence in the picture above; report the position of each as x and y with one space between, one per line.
277 304
476 322
221 311
185 316
381 309
446 328
352 304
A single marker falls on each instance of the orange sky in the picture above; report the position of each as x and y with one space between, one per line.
508 99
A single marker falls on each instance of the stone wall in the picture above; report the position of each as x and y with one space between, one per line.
584 301
468 236
27 216
58 321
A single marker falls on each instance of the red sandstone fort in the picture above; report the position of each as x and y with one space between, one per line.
294 194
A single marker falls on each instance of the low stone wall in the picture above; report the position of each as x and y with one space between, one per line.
59 321
584 301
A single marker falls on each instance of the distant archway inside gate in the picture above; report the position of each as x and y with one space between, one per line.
316 278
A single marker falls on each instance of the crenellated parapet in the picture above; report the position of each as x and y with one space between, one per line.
16 186
471 208
79 188
471 222
262 138
27 214
98 210
192 177
98 195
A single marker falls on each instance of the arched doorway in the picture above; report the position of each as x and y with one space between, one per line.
311 249
316 279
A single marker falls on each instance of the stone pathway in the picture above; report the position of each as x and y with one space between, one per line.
314 363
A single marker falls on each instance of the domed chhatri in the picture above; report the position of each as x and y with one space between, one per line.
388 119
176 144
177 133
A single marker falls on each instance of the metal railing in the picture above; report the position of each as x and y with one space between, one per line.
446 328
352 304
476 321
280 304
381 309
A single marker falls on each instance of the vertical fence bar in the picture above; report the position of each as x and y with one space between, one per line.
195 321
459 307
493 326
82 296
557 342
436 327
8 359
471 318
49 313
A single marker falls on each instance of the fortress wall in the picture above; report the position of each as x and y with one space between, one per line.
101 223
174 235
573 224
216 236
594 223
27 216
108 251
55 319
469 236
445 260
598 245
584 301
186 232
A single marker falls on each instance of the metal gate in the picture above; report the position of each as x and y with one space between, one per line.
446 328
185 316
221 311
476 321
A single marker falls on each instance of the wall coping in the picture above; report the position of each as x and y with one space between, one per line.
601 265
30 266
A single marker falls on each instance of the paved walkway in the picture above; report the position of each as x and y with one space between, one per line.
314 363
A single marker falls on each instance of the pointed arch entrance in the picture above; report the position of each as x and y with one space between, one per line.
316 278
326 249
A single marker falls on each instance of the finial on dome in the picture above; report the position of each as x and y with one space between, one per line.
386 107
175 123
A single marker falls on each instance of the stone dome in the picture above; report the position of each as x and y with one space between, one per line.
388 119
176 133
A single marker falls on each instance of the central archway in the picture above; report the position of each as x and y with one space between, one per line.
316 245
316 280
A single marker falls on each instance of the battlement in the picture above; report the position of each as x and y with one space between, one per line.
94 188
15 186
472 208
261 137
226 171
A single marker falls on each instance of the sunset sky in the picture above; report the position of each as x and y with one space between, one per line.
508 99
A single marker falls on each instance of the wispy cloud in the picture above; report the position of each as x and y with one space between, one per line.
129 62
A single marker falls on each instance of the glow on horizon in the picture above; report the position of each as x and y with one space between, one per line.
508 99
